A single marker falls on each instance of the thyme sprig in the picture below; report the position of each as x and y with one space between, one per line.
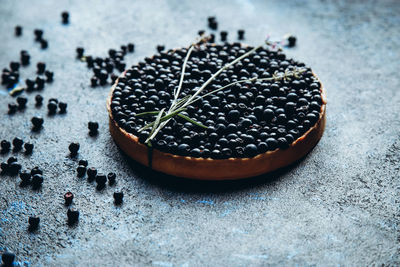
180 105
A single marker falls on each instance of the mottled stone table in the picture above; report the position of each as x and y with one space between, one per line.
339 206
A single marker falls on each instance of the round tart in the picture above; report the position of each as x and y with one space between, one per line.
272 115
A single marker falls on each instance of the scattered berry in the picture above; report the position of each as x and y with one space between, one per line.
37 181
21 102
74 148
18 30
37 123
291 41
28 148
14 168
4 167
118 198
33 223
73 216
25 58
111 178
94 81
160 48
17 143
79 52
36 170
8 258
240 34
14 66
68 197
49 76
52 107
12 108
212 23
12 159
38 34
5 146
30 85
224 35
91 173
83 162
41 67
101 180
81 170
39 83
131 47
93 128
63 107
65 17
44 44
25 176
39 100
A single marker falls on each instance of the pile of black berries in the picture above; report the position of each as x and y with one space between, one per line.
243 120
104 68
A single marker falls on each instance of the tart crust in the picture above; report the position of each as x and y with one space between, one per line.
217 169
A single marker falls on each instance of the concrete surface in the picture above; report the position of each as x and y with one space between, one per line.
339 206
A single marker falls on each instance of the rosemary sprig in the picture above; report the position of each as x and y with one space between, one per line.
174 106
178 106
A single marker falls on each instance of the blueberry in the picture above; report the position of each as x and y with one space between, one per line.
63 107
41 67
250 150
272 143
33 223
79 52
283 143
14 168
17 143
111 178
93 127
68 197
240 34
74 148
37 181
91 173
83 162
36 170
44 44
5 146
37 123
18 30
8 258
28 148
118 198
49 76
81 170
52 107
25 176
65 17
233 116
291 41
73 216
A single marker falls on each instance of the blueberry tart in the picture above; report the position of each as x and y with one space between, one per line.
217 112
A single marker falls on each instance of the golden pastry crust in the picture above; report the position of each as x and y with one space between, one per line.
217 169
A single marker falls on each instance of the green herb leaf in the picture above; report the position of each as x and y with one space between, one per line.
192 121
148 113
154 131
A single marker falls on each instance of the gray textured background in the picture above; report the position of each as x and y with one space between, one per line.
339 206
